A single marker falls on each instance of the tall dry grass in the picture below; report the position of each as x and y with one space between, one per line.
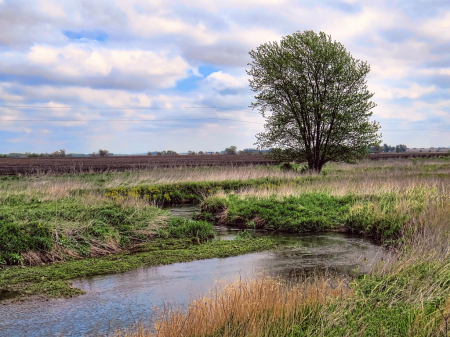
369 174
415 274
249 308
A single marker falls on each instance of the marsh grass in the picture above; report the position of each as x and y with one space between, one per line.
250 308
35 229
53 280
406 294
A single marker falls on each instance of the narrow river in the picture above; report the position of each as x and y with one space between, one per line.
118 301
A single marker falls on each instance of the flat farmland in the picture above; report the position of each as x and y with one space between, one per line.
407 155
15 166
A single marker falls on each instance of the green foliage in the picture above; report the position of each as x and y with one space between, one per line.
231 150
292 167
15 241
103 153
244 235
401 148
370 215
179 227
190 192
314 97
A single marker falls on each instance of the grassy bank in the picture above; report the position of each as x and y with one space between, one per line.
406 203
53 280
407 294
379 216
194 192
36 230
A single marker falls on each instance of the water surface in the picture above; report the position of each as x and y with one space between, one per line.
118 301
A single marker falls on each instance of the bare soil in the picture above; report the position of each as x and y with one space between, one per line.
15 166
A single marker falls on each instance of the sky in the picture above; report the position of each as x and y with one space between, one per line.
78 60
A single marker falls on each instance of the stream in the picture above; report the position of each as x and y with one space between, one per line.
118 301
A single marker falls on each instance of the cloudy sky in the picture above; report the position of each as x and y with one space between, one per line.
78 60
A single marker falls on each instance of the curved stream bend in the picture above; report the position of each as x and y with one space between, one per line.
118 301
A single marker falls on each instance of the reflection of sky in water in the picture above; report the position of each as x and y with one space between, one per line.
117 301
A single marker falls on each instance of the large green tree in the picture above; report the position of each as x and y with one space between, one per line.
314 97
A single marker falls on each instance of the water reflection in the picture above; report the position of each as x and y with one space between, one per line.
117 301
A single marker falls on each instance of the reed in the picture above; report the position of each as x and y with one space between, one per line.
249 308
406 294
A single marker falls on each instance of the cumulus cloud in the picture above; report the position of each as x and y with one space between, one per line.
182 54
94 65
223 82
51 8
79 60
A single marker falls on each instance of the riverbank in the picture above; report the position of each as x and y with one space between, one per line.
53 280
77 217
406 294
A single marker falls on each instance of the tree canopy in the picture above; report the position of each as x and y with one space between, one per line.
231 150
315 99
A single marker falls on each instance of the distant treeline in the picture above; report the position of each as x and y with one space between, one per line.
232 150
57 154
400 148
229 150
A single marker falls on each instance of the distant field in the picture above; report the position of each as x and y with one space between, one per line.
14 166
393 155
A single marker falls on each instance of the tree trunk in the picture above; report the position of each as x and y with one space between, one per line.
315 166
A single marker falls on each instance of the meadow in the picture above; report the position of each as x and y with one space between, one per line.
104 223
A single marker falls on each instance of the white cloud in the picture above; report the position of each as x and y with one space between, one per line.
435 71
78 60
221 81
51 8
414 91
436 28
162 21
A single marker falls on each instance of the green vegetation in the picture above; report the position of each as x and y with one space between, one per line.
314 96
189 192
372 215
37 231
111 225
53 280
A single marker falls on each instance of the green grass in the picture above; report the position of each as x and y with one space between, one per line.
374 215
71 227
190 192
410 302
53 280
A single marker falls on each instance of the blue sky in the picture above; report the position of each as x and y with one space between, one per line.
172 55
